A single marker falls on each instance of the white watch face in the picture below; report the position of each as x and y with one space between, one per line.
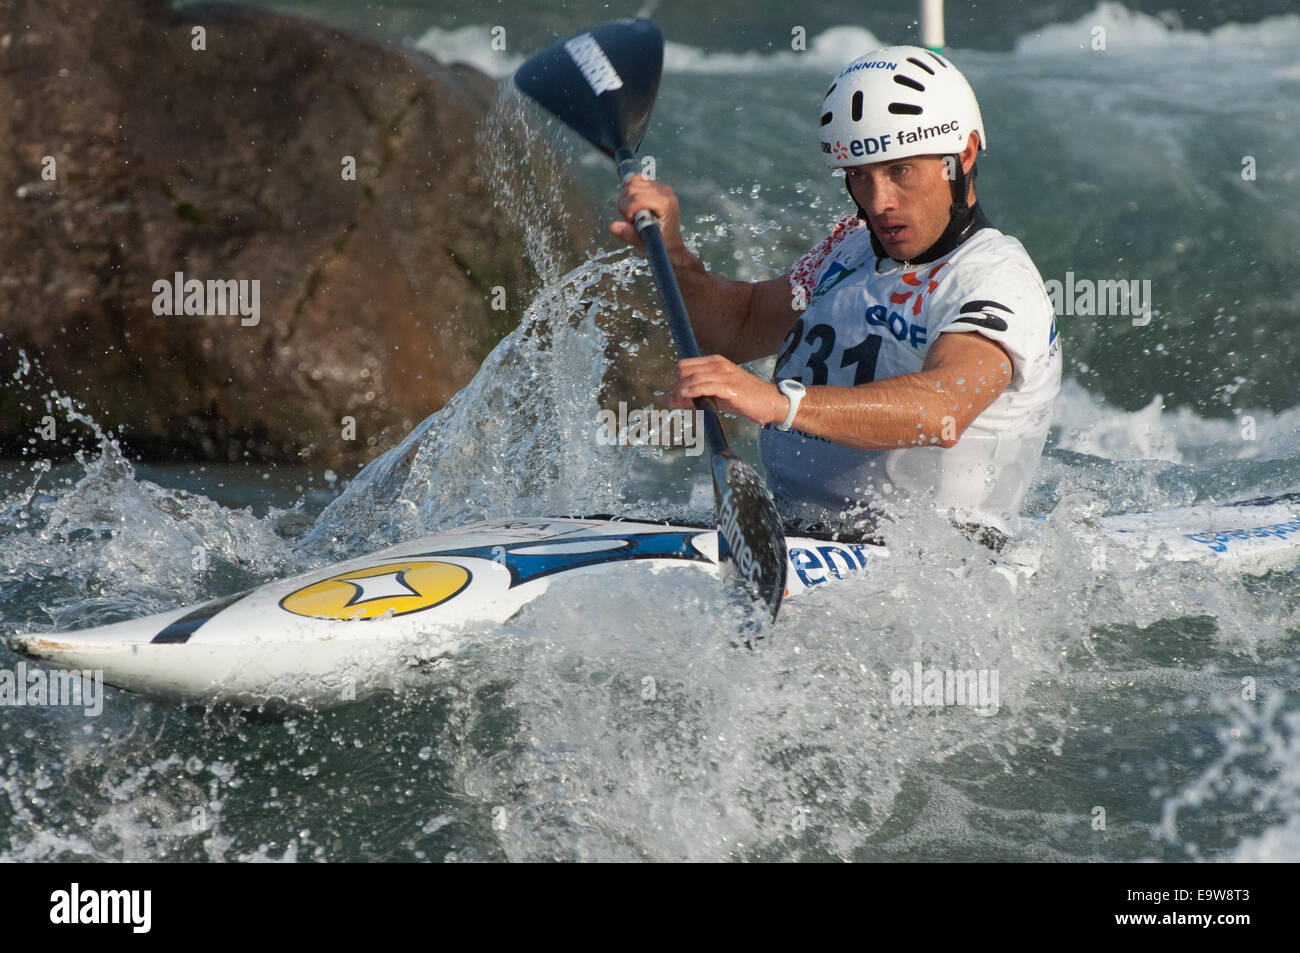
794 392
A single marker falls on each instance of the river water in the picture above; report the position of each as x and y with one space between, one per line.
1143 715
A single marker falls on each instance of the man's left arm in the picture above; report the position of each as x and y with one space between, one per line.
963 374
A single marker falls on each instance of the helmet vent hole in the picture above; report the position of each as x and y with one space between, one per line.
831 90
826 118
907 81
856 106
937 58
915 62
905 109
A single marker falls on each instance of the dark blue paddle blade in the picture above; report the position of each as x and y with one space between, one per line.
751 544
602 83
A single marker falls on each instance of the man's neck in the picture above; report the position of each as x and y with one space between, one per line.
960 227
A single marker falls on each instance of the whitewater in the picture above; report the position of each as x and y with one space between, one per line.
1142 714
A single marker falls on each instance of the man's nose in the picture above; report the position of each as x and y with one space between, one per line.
880 198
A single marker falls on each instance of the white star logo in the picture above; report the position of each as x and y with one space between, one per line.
387 585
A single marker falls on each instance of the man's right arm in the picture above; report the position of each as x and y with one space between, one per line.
740 320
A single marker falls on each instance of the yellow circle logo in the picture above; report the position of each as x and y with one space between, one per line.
399 588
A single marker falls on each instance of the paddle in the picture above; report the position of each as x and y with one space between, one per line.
602 84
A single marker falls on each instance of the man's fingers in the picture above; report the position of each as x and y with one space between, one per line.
689 364
712 375
625 232
704 383
639 192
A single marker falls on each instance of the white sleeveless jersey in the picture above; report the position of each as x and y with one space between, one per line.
871 318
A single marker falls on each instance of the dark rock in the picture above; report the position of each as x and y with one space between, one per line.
226 163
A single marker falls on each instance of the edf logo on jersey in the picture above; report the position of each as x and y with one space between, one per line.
897 325
877 315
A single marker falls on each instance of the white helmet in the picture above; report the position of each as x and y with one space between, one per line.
897 102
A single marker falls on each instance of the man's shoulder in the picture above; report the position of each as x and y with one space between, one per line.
989 245
994 289
993 257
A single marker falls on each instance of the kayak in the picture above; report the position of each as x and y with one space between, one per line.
314 638
301 637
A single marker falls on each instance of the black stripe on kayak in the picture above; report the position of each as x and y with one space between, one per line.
181 629
1283 498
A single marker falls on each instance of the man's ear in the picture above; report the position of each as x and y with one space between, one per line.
971 152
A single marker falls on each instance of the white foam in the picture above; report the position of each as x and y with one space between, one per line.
469 44
1088 424
1264 729
1126 29
827 51
1277 845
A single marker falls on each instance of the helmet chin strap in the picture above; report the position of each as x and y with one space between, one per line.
963 220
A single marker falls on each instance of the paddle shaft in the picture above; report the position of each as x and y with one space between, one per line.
602 84
679 322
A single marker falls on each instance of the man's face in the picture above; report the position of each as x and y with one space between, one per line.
906 200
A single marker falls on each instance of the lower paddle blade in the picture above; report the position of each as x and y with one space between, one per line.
751 544
602 83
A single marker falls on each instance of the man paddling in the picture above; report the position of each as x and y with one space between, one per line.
918 356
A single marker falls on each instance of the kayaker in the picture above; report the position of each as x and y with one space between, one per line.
918 354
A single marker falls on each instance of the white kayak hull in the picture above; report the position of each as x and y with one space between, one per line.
316 638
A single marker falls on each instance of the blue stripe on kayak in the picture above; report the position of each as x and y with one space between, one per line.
525 568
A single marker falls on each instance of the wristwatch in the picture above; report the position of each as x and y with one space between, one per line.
794 390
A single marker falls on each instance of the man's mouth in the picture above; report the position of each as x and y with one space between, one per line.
891 233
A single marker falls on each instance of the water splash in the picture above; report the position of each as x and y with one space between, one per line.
519 440
87 543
